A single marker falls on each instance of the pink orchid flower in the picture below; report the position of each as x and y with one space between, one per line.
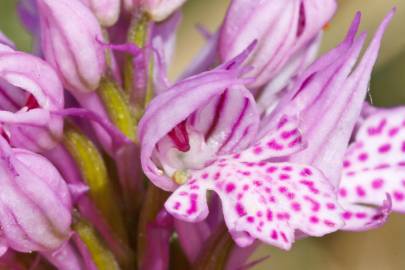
284 30
214 143
209 144
71 47
30 91
35 204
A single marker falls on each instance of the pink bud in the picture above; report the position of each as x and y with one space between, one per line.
35 205
161 9
282 28
158 10
70 34
106 11
30 91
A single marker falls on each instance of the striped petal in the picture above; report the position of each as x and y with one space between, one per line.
328 99
196 119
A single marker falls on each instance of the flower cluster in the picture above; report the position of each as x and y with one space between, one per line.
107 164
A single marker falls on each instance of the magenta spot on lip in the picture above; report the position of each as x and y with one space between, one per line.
205 176
360 191
401 163
240 209
316 206
284 237
282 122
306 172
346 164
271 169
269 215
331 206
258 150
342 192
393 131
257 183
296 206
177 205
377 183
229 188
314 219
282 189
284 176
382 166
290 196
295 142
399 196
274 235
384 148
329 223
347 215
363 157
361 215
274 145
287 168
250 219
377 130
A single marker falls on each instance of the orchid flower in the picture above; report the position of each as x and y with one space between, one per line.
30 91
35 204
205 145
329 97
106 11
71 47
158 10
283 29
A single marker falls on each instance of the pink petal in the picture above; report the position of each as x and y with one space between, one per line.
375 163
284 140
329 97
196 95
362 218
263 200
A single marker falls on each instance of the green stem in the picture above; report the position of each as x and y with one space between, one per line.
137 34
94 173
101 255
117 107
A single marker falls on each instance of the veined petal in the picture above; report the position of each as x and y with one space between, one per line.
329 97
282 28
375 163
233 120
263 200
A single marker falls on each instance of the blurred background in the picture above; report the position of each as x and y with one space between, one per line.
383 248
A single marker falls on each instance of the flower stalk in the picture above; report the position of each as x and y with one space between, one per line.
101 255
94 173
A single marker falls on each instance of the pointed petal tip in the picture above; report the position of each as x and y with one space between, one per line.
238 60
354 27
